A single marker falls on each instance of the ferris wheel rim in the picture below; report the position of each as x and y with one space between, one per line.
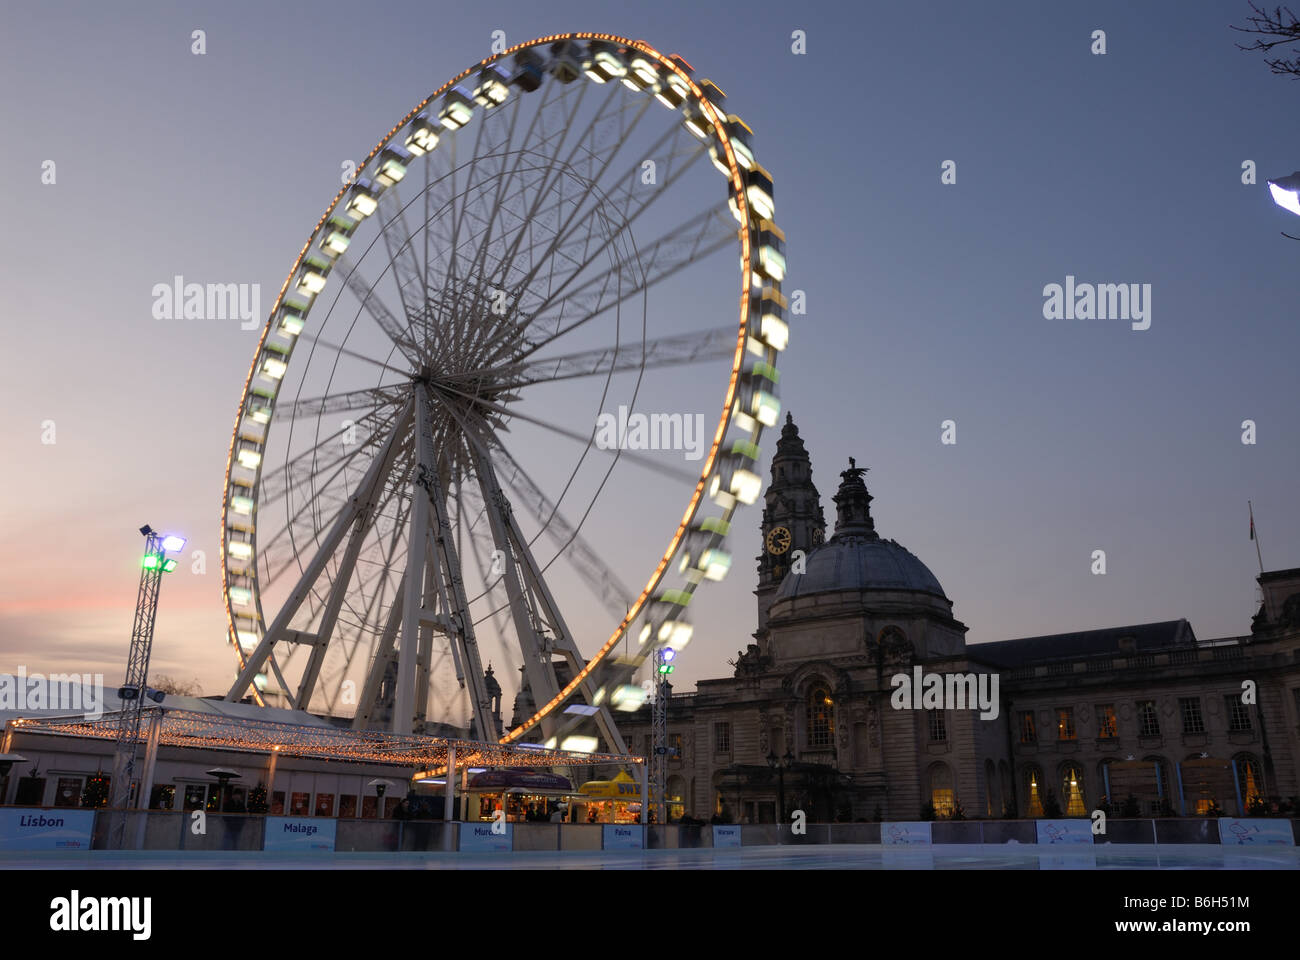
743 214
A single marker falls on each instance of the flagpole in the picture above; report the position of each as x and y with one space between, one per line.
1263 594
1255 536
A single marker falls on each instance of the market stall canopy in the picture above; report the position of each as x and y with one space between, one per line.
183 728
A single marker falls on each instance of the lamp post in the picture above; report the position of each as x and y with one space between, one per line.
780 765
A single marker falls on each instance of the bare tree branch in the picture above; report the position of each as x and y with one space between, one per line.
1283 28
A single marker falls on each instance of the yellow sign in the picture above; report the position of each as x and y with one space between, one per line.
622 787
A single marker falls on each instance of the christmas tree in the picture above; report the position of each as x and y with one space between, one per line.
96 792
257 799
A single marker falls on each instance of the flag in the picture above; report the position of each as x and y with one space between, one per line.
1252 522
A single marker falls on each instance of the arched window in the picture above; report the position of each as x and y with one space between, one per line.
1072 791
1035 790
821 723
941 792
1250 782
892 638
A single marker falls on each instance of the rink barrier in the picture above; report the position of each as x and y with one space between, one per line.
33 828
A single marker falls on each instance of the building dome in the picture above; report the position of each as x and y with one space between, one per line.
856 558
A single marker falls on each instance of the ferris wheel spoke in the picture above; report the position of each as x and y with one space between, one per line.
316 506
339 495
450 319
412 284
628 198
632 456
354 354
400 334
615 596
678 350
704 235
550 105
351 401
549 173
275 483
562 239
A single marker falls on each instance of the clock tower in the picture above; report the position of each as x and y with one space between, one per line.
792 518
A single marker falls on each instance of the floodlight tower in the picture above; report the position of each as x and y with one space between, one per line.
659 726
154 564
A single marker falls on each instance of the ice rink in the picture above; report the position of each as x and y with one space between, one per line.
800 857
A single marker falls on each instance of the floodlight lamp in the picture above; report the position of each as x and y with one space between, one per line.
173 544
1286 192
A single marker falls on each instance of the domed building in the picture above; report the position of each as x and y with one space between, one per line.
807 711
860 699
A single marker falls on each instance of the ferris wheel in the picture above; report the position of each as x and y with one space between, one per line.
422 499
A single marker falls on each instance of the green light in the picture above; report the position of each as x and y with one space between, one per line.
168 565
151 561
666 668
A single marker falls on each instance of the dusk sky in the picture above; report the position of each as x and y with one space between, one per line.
925 300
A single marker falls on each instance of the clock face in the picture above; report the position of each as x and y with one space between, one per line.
778 540
817 536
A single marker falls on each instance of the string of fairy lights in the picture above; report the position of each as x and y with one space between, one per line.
184 728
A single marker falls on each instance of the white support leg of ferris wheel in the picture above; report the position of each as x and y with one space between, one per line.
517 551
368 498
430 530
328 545
564 643
536 659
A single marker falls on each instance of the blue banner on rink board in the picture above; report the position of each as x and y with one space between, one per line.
1255 831
1065 831
622 836
300 833
479 838
905 832
726 836
57 829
